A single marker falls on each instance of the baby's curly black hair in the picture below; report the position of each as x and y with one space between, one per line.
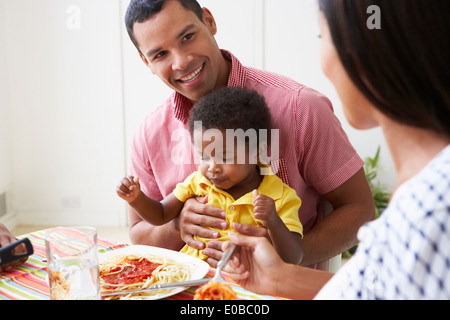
232 108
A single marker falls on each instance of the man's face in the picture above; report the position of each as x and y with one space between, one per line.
181 50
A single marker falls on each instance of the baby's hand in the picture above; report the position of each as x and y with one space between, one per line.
264 209
129 188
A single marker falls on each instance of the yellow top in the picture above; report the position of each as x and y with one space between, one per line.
287 204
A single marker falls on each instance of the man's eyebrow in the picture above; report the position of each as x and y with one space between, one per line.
152 52
185 29
180 34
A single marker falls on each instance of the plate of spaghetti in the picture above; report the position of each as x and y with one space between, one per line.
138 267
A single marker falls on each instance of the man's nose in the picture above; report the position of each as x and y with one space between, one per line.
181 61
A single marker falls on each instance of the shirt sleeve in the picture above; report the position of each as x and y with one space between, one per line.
288 210
326 157
188 188
140 165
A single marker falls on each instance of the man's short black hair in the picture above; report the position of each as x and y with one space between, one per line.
141 10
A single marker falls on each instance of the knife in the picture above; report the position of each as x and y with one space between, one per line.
164 286
7 255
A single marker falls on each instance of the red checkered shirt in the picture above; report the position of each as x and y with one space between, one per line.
315 155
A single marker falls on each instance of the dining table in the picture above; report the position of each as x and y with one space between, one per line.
29 280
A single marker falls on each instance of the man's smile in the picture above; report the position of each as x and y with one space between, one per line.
192 76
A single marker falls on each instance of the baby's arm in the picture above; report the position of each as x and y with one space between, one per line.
152 211
287 243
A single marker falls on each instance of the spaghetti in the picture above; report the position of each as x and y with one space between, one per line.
138 271
215 290
59 286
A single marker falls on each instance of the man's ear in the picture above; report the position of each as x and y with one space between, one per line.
144 59
209 21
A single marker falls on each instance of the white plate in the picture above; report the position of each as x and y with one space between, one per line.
200 267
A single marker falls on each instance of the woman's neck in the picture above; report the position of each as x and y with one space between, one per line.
411 148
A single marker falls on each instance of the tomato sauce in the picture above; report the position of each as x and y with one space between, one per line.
134 271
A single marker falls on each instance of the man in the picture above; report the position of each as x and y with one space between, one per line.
175 39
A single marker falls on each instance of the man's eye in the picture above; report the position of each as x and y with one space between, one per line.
188 36
160 55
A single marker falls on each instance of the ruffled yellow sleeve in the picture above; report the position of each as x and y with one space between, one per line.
191 187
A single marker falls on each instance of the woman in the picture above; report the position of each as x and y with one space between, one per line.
395 77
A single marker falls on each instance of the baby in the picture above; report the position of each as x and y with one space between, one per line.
230 131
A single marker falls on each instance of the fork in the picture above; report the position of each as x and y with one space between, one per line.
223 262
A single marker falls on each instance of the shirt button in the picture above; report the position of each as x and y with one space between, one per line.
232 208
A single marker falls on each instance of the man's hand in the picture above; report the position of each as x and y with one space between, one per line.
194 219
215 249
251 231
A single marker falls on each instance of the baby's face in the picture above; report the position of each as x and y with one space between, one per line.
225 163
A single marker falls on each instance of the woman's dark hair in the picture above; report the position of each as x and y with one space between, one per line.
403 68
141 10
232 108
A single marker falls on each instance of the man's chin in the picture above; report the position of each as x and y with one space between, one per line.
194 97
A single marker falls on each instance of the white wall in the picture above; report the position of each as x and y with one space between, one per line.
6 176
64 74
5 126
75 96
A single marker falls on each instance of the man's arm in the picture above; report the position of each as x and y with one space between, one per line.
165 236
353 206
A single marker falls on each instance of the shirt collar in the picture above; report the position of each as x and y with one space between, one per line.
182 105
271 186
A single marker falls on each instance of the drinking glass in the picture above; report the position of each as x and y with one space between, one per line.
72 263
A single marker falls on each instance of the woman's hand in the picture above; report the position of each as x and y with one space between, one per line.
256 265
